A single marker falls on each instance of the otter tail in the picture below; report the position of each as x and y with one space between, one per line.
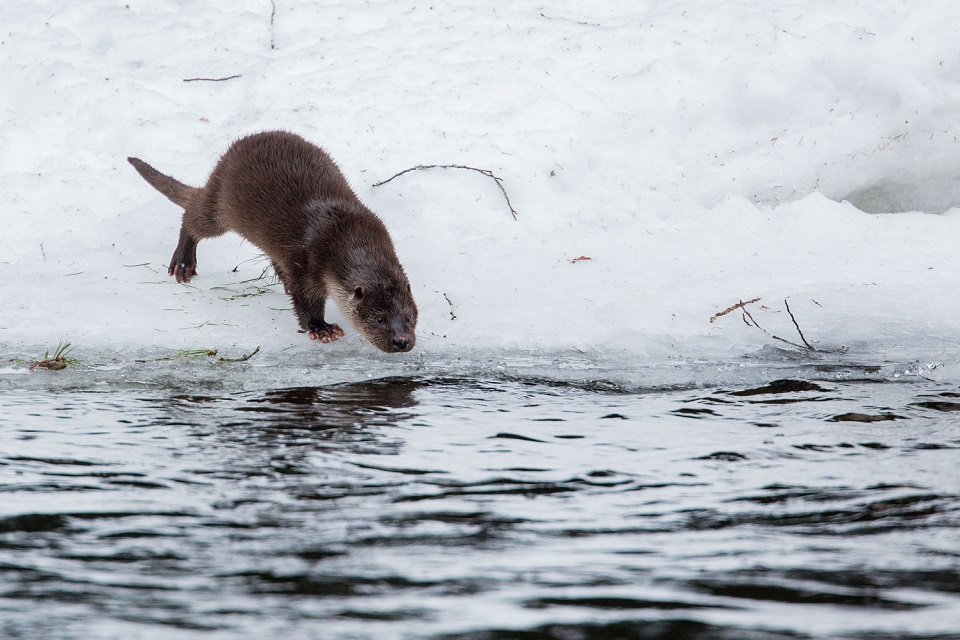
176 191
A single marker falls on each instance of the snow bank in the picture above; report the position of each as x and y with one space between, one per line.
699 153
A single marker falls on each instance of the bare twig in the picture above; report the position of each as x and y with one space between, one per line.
802 337
211 79
739 305
586 24
54 364
240 359
750 321
273 14
184 353
747 314
453 316
486 172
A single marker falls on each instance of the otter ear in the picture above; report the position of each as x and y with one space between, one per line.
358 293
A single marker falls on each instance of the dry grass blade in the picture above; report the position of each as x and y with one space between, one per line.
197 353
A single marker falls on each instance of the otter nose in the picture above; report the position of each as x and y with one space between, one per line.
401 343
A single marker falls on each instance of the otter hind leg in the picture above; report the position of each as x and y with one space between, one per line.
281 276
183 264
200 220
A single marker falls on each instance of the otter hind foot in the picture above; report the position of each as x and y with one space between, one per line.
324 332
183 268
182 271
183 264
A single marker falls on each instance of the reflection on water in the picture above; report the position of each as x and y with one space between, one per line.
482 509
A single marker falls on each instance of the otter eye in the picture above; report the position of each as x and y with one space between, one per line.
379 319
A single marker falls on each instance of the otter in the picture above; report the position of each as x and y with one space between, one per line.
289 198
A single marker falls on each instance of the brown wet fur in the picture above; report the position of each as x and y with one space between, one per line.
289 198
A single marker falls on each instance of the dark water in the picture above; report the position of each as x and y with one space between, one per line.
482 509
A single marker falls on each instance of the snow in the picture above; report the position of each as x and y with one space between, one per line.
699 153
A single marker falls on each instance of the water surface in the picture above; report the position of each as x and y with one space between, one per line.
464 508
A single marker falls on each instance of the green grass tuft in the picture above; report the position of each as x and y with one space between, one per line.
59 360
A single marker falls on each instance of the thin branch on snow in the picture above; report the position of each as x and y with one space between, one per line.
486 172
802 337
750 321
586 24
273 14
210 79
453 316
734 307
241 358
753 322
775 337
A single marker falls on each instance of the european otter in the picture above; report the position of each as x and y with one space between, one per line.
289 198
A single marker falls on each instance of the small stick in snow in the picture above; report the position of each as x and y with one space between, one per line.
486 172
802 337
273 14
211 79
586 24
240 359
747 314
739 305
453 316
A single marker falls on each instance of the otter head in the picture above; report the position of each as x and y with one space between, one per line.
385 313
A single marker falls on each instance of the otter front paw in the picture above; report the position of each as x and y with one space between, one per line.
324 332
